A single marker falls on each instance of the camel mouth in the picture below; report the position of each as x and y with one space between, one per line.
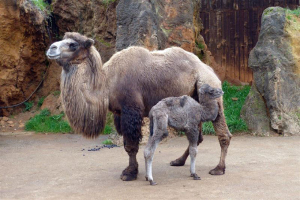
53 57
217 95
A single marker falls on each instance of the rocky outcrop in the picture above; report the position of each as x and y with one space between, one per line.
95 19
275 61
22 41
155 24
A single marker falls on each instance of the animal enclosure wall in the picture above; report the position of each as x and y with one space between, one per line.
231 29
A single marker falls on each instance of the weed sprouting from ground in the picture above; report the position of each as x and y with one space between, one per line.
107 141
234 98
45 122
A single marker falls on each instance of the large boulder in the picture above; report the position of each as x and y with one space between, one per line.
275 61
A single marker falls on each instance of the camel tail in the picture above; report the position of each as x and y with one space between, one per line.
151 126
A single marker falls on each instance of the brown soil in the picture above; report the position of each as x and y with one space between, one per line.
37 166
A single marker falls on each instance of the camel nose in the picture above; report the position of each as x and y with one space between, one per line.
53 52
53 47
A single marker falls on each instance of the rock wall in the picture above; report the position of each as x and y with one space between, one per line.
22 60
275 61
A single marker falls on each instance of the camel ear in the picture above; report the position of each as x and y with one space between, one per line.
88 43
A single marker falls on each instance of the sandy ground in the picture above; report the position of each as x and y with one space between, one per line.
52 166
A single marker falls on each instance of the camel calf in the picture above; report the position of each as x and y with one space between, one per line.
184 114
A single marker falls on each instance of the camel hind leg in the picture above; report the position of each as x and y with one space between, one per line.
181 160
224 137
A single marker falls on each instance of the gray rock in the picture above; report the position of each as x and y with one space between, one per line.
136 23
254 113
276 72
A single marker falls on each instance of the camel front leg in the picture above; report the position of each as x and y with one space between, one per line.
224 137
181 160
131 123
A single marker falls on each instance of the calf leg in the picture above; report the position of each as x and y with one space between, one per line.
159 126
193 153
193 137
181 160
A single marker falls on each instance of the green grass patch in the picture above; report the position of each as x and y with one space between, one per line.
200 45
107 141
106 2
109 126
41 4
232 108
56 93
294 12
102 41
40 102
28 106
45 122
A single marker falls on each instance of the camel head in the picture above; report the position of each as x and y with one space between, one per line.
74 46
206 91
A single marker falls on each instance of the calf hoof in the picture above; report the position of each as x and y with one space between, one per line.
177 162
146 177
195 177
152 183
217 171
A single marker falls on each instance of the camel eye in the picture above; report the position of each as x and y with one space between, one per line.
73 46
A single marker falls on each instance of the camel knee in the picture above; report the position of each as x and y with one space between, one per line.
224 141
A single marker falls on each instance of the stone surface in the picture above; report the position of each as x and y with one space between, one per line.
52 103
275 62
95 19
254 113
22 60
155 24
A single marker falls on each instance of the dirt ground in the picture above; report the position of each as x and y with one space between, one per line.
55 166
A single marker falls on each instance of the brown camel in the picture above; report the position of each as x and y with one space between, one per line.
184 114
129 85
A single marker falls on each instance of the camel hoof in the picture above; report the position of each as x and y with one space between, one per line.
217 171
195 176
177 162
128 177
153 183
130 173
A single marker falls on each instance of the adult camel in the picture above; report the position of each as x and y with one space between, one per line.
129 84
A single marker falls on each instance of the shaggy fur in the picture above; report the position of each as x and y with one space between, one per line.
129 84
185 114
